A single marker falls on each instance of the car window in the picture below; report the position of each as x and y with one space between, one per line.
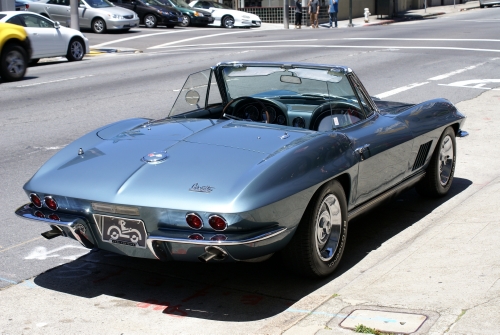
219 5
36 21
53 2
2 16
180 3
203 4
99 3
16 20
152 3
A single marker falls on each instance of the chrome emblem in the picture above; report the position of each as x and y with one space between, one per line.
202 189
155 157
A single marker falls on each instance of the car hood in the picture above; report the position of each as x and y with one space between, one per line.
208 163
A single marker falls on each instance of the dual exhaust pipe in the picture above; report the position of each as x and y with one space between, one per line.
214 253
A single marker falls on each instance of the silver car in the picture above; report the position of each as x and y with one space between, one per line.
99 15
484 3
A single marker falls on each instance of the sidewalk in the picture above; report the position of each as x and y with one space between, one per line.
415 14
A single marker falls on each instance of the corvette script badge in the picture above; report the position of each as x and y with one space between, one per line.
202 189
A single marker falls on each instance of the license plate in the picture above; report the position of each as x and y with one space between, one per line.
129 232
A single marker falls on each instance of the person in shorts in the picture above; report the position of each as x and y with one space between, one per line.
313 12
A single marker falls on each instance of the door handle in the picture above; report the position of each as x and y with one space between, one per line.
361 151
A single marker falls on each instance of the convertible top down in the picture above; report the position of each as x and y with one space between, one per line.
253 159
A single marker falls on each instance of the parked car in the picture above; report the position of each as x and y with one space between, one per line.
489 3
226 16
15 51
98 15
190 16
253 158
152 12
20 6
48 38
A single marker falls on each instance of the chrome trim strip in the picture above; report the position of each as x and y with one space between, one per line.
409 182
259 238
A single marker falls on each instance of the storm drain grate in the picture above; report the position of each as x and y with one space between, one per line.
391 322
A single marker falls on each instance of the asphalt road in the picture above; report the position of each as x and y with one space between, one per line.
456 56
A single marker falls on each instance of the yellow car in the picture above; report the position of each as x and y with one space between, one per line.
15 52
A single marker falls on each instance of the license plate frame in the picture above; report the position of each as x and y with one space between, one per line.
124 231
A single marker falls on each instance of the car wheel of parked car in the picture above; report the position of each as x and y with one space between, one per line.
13 63
319 242
439 174
98 26
228 22
76 50
186 21
150 21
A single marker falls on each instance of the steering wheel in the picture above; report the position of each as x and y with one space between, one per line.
350 113
245 114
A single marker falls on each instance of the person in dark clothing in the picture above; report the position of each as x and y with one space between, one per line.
298 14
332 11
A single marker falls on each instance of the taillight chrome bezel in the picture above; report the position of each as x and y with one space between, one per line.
37 197
50 199
218 217
196 237
198 217
39 214
54 217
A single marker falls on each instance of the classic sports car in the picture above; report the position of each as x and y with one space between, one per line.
254 158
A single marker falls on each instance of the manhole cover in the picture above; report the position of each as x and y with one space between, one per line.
391 322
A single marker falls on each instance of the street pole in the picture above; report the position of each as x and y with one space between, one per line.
350 14
75 23
286 10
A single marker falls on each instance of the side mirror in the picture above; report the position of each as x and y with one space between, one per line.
57 25
192 97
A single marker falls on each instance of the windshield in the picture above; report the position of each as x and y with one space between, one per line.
275 81
219 5
180 3
99 3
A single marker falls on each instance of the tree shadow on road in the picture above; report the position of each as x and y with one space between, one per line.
230 291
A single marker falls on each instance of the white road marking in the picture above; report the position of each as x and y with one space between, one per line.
475 83
420 39
197 38
142 36
217 46
56 81
399 90
446 75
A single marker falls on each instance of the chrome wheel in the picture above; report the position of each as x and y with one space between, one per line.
446 154
150 21
327 227
228 22
186 21
98 26
76 51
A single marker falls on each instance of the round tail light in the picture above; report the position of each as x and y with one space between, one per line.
39 214
217 222
194 221
35 200
196 236
50 203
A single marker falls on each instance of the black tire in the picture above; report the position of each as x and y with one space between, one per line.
481 6
99 26
76 49
13 63
34 61
186 21
228 22
150 21
441 169
316 249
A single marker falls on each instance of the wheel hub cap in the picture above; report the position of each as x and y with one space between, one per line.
446 155
328 227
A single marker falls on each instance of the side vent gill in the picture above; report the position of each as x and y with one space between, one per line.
422 155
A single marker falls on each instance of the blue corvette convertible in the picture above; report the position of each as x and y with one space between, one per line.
253 159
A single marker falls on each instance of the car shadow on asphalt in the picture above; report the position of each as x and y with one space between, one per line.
230 291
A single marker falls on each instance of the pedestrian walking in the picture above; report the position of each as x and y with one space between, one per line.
332 11
298 14
313 12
